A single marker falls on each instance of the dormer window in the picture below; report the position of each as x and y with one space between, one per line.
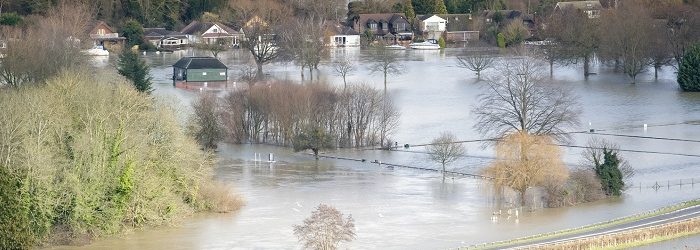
373 26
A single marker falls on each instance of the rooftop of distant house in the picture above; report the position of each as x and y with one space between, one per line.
199 63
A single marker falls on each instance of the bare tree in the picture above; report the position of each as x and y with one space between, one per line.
520 99
444 150
681 32
577 34
626 37
260 20
524 160
387 62
206 124
593 156
214 47
476 63
325 229
344 68
303 42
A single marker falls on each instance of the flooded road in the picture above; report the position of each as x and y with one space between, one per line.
402 208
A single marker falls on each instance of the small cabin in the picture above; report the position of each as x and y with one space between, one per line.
200 72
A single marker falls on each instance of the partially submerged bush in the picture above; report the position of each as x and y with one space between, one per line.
92 159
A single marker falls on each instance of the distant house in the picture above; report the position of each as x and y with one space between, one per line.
211 32
390 27
162 38
206 72
454 27
510 15
342 36
105 36
592 9
460 28
432 26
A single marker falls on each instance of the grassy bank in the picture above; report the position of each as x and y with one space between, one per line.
588 228
81 158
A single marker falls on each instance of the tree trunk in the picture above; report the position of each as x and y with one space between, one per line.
259 74
443 172
551 68
385 83
656 72
586 66
315 150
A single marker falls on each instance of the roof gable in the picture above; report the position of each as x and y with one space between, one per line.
434 19
580 5
96 25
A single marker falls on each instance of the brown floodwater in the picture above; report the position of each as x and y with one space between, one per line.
411 209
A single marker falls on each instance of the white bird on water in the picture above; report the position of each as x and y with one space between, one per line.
299 204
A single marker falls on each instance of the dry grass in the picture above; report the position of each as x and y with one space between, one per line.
633 237
220 198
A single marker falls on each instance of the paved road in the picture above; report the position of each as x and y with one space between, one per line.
679 215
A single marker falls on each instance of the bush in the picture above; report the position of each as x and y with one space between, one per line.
582 186
501 40
206 125
10 19
689 70
610 174
102 156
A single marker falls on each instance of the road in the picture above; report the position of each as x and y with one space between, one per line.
675 216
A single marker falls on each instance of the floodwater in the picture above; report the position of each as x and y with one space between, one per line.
412 209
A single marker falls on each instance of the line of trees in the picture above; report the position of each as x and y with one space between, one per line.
633 37
277 113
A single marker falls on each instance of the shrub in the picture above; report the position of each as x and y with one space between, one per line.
102 158
11 19
610 174
206 126
501 40
689 70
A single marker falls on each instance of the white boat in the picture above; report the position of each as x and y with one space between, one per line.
424 46
395 46
97 51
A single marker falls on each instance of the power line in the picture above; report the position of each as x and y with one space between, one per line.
646 137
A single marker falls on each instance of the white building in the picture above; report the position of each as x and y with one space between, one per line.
433 26
343 36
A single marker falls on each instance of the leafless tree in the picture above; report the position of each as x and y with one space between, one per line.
577 34
626 37
303 42
325 229
387 62
593 156
444 150
260 21
46 47
214 47
389 121
520 99
476 63
206 124
681 32
344 68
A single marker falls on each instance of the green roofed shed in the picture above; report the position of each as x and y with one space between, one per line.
199 69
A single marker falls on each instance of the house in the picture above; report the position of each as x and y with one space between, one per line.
199 72
454 27
460 28
342 36
390 27
592 9
507 16
105 36
167 39
212 32
432 26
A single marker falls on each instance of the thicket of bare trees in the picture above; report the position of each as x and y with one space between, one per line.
276 113
576 33
46 46
627 38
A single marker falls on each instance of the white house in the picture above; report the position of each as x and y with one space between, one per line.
343 36
433 26
162 38
210 32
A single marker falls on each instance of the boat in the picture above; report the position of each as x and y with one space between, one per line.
395 46
425 46
97 51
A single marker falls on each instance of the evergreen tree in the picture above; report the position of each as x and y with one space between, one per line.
610 174
440 7
135 69
423 7
689 70
133 31
315 139
408 10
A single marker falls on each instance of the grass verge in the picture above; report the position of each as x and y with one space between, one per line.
587 228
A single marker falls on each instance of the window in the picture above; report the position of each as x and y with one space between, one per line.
215 30
222 73
373 26
204 73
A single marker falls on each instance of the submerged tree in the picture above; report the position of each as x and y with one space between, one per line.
135 69
689 70
207 128
445 150
524 160
387 62
476 63
520 99
344 68
325 229
594 156
315 139
611 177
